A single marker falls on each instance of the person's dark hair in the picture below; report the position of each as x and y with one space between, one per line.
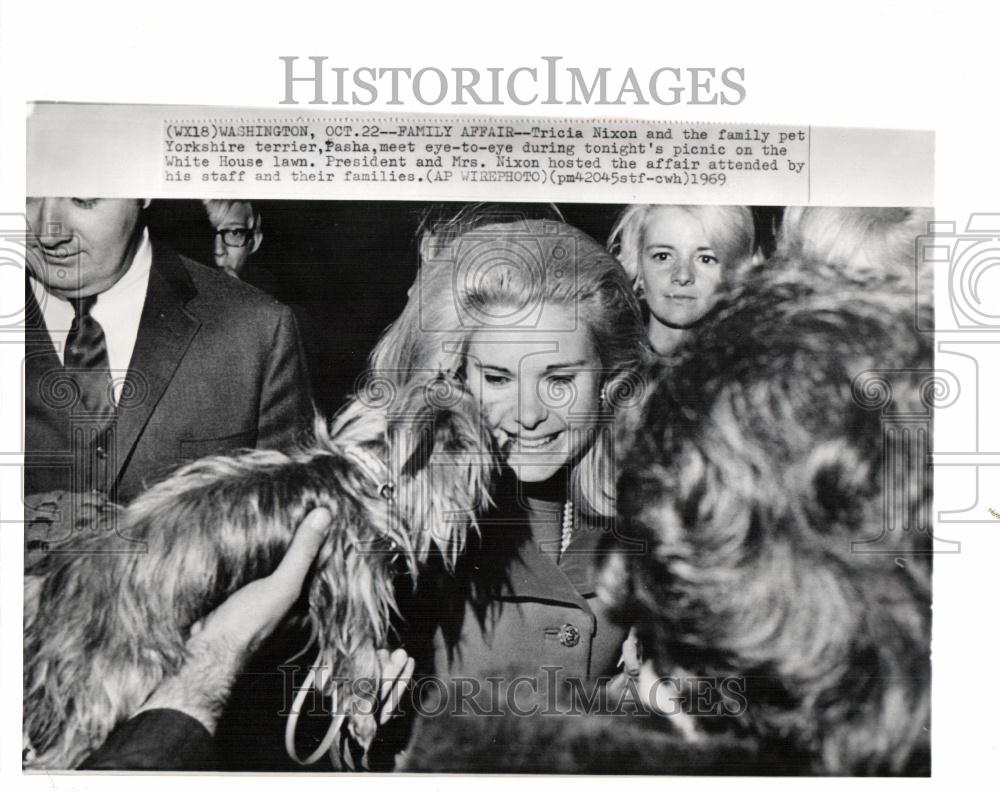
786 510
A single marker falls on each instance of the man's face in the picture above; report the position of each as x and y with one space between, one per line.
81 246
233 258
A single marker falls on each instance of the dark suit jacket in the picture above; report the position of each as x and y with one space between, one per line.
155 740
217 366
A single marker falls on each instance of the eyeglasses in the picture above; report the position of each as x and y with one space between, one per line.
235 236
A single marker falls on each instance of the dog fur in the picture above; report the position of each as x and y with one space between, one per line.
787 515
103 627
756 462
755 476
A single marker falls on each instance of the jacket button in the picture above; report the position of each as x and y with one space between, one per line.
569 635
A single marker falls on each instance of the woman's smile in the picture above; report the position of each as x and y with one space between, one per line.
530 443
539 391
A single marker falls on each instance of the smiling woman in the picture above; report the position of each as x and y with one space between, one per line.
539 323
520 381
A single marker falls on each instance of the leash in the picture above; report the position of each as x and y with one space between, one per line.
293 721
377 472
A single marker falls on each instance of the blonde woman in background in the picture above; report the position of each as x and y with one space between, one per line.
678 258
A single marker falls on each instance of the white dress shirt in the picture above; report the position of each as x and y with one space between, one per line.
119 310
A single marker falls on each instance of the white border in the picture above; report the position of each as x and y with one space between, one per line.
907 65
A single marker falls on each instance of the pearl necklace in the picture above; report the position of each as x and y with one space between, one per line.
567 527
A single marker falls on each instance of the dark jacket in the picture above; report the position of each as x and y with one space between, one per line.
217 366
513 610
155 740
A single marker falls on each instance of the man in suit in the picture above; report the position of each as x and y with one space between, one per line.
238 235
138 359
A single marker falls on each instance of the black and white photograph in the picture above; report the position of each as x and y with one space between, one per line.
460 396
490 487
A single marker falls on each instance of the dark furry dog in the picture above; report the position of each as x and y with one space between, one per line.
778 477
777 474
401 475
786 508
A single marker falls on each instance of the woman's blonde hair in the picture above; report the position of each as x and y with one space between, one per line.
861 242
730 230
499 276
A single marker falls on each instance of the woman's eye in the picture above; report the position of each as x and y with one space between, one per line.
85 203
562 379
495 379
708 258
662 256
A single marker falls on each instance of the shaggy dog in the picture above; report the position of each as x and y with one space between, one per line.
778 478
402 472
777 475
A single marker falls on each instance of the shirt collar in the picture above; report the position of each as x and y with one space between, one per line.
138 271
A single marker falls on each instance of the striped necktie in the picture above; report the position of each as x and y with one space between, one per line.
86 359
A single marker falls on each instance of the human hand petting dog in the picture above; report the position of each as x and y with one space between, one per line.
221 642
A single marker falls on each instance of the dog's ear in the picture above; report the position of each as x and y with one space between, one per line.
441 460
